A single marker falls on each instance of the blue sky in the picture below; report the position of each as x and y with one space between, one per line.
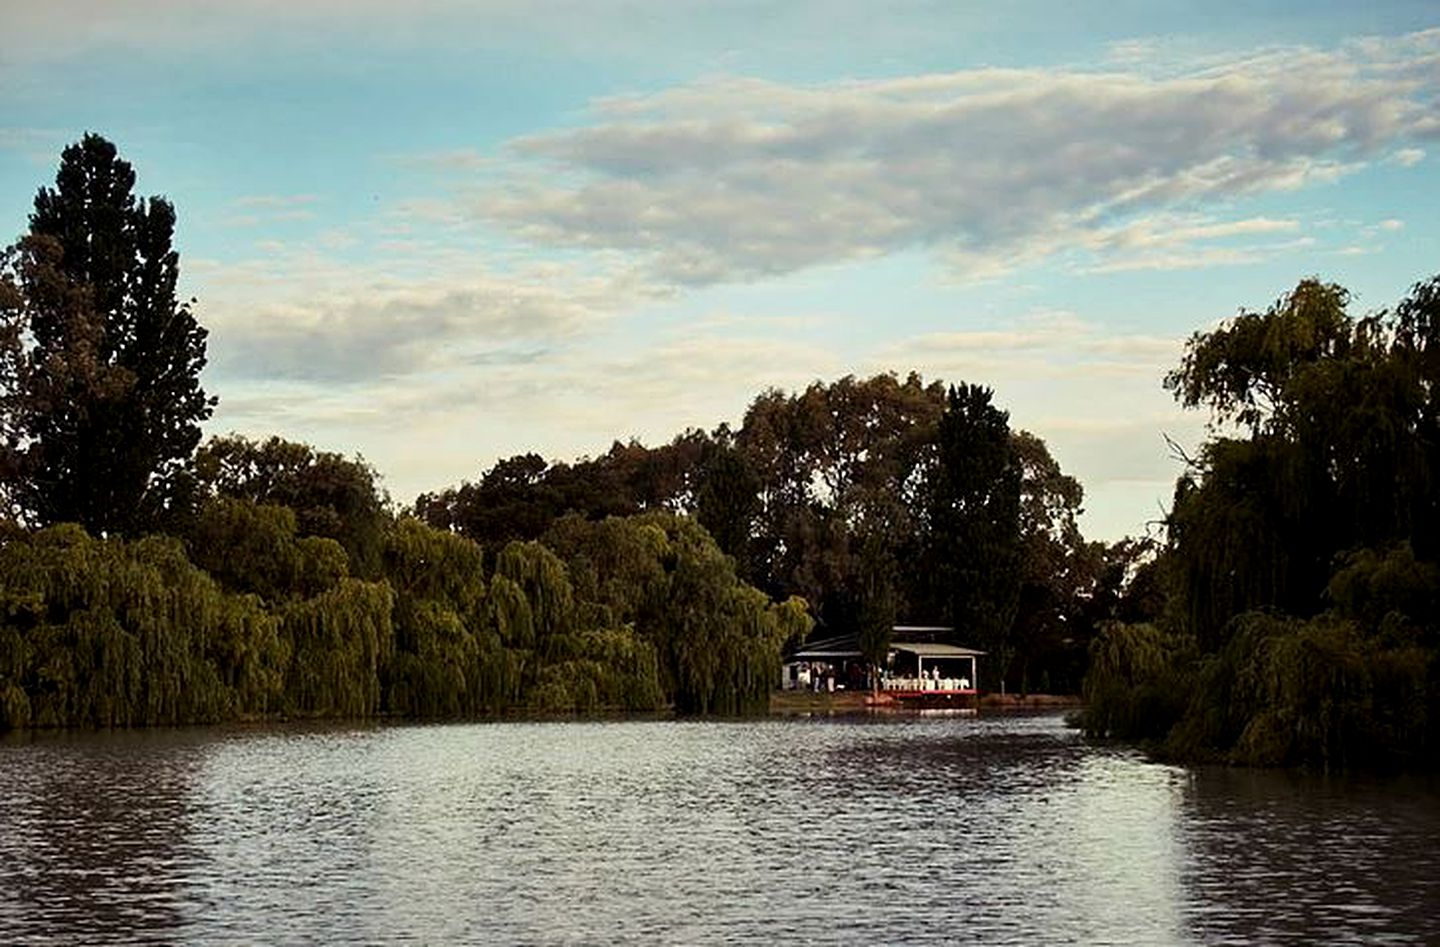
442 232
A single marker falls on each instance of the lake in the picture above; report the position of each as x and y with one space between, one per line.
895 829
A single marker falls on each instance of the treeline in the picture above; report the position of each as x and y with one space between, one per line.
294 593
878 501
143 581
1302 564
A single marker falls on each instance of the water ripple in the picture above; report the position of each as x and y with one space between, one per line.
897 830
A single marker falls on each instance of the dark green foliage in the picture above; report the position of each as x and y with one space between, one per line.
1302 557
717 641
100 402
614 669
1138 683
105 633
294 590
878 599
841 466
974 552
1061 576
1342 453
330 496
540 577
728 502
250 547
338 641
826 494
520 497
449 660
1285 691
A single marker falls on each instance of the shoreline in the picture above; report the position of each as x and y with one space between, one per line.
784 703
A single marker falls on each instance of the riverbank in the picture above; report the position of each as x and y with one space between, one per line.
842 702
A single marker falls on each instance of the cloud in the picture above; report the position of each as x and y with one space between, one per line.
1039 347
562 401
301 316
439 379
1092 392
738 179
1408 157
275 201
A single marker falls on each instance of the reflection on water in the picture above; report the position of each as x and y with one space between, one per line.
902 830
1272 853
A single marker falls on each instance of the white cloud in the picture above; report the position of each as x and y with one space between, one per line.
1046 345
1092 392
1408 157
990 168
298 314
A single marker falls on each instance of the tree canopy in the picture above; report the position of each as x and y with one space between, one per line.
829 494
100 397
1302 547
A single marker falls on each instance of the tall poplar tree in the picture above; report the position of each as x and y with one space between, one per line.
974 520
100 397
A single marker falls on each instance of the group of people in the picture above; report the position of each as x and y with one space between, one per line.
816 676
822 676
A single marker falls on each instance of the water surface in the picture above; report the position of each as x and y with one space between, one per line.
884 829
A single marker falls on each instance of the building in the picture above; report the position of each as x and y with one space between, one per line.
922 665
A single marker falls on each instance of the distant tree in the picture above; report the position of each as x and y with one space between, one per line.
1059 572
974 522
877 599
100 397
833 461
520 497
331 496
728 502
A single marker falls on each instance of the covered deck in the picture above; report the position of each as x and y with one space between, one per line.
920 667
920 670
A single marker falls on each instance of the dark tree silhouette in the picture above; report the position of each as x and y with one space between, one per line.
100 398
974 522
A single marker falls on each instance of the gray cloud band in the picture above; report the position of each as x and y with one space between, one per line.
740 179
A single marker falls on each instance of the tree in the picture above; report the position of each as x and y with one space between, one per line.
1059 572
100 394
331 496
1301 561
876 605
974 522
834 462
1342 451
727 502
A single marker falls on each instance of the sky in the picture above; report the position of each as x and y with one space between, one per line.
439 233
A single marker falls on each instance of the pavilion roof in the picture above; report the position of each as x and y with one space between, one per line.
934 650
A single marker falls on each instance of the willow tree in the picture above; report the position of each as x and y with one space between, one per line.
100 397
1340 450
99 632
658 583
449 656
1302 540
